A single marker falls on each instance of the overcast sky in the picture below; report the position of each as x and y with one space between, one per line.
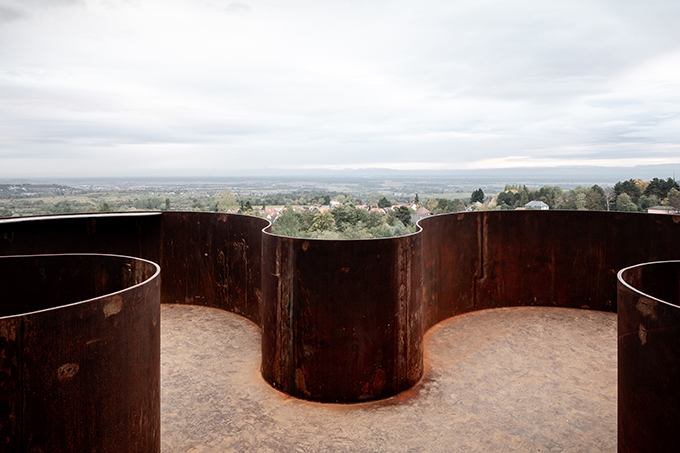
210 87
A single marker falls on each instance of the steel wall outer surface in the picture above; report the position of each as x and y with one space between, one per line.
342 320
82 371
649 357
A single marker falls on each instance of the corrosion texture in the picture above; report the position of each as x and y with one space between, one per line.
649 357
79 354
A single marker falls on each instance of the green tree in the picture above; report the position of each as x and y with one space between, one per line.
306 218
384 203
148 204
226 202
660 188
581 201
344 216
629 187
550 195
104 207
595 199
404 215
647 201
417 200
674 198
358 231
323 221
287 224
477 196
374 219
508 199
625 203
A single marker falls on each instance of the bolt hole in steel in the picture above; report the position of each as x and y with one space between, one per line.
79 353
649 357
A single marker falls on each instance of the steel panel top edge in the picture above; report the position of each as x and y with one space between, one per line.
621 280
155 274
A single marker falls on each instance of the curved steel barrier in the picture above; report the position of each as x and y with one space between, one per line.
649 357
342 320
307 295
79 354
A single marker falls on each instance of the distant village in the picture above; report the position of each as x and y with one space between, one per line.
318 213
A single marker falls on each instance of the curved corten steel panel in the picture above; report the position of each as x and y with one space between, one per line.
214 260
492 259
210 259
132 234
649 357
79 354
342 320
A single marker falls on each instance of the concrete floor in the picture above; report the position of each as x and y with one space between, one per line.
516 379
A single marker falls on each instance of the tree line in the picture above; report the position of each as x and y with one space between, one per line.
343 222
631 195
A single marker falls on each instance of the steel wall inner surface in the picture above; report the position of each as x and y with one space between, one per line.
649 357
79 354
214 260
390 291
493 259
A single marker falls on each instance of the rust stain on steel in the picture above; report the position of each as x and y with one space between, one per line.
79 366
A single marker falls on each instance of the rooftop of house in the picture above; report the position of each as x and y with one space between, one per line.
536 204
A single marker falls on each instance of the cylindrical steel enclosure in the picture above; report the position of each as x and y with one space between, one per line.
342 320
649 357
79 354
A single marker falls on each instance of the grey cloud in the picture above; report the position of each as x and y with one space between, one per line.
48 3
8 14
14 10
236 7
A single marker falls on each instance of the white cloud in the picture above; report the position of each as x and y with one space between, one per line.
180 84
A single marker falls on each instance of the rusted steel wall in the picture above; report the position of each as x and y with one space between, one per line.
213 259
387 292
130 234
342 320
79 354
649 357
479 260
210 259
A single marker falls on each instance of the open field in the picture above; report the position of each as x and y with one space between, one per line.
23 199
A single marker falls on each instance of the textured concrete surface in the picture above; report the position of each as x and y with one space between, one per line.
515 379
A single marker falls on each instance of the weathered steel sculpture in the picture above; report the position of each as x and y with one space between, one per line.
344 320
79 354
